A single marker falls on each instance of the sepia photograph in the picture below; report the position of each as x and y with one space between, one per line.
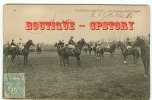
76 51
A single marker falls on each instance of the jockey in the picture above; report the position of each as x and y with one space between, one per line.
129 47
38 45
71 44
108 46
61 43
20 44
128 44
13 44
91 44
99 44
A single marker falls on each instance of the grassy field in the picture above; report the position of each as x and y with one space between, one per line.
107 79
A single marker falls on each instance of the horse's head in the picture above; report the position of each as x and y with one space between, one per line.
138 41
30 42
55 45
82 42
119 44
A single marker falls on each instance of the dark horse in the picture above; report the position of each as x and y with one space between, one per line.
38 50
111 50
58 46
25 52
125 52
65 52
145 53
6 51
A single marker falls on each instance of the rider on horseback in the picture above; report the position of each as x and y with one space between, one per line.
20 44
13 44
129 45
99 44
38 45
108 46
61 43
71 44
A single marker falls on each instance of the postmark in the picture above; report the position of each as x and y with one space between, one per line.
14 85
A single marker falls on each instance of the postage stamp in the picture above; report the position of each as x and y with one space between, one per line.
14 85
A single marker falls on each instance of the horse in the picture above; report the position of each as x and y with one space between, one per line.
38 50
111 49
65 52
91 48
85 49
125 52
6 51
58 46
145 53
25 52
100 52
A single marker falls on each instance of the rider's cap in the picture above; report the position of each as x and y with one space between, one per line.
71 37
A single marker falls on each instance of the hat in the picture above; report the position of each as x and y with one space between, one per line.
71 37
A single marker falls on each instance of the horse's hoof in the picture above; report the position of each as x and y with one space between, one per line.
145 76
12 64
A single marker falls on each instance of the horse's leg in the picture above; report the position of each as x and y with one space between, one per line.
103 55
78 61
97 55
134 58
13 58
27 59
63 61
145 67
90 52
24 59
60 61
67 60
112 54
125 56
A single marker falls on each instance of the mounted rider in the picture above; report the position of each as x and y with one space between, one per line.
129 45
13 44
71 44
99 44
61 43
38 45
108 45
20 44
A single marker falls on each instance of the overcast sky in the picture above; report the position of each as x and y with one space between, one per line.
15 17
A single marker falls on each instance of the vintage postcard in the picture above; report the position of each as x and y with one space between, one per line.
76 51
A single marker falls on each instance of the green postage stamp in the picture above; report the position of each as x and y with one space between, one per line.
14 85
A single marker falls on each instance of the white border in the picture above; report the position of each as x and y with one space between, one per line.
2 2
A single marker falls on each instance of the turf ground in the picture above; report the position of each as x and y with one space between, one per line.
107 79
